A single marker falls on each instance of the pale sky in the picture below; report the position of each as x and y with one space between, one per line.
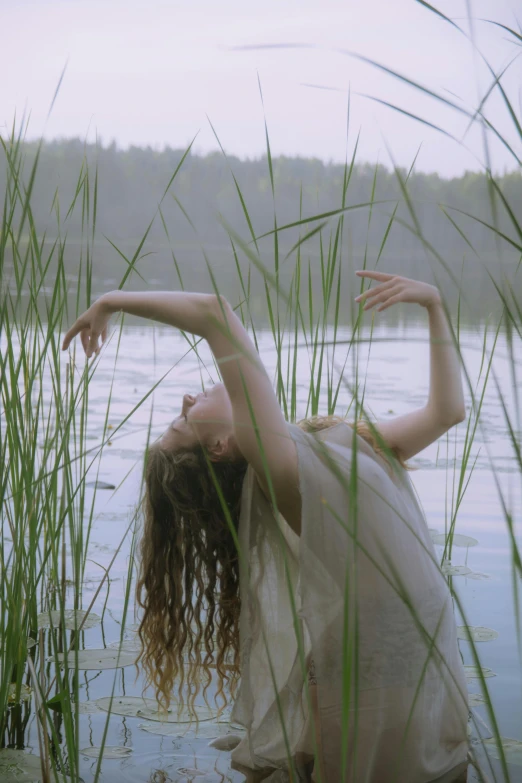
147 72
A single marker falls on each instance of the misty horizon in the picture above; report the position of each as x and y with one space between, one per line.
155 77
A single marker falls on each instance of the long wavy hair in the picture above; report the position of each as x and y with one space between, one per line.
188 583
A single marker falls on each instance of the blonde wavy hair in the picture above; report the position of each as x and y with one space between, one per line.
188 582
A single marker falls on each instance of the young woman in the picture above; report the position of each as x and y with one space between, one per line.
333 549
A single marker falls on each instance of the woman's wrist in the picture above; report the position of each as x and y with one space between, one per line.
111 301
436 302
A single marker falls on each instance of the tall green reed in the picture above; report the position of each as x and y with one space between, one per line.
46 519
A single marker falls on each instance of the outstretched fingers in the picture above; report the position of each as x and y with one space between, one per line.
78 327
84 336
95 346
377 291
73 331
390 302
383 295
384 276
92 327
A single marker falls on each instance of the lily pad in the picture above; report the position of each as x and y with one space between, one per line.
25 694
136 707
16 766
478 633
73 619
85 707
458 570
97 659
100 485
458 540
472 672
129 645
109 752
206 730
475 699
512 749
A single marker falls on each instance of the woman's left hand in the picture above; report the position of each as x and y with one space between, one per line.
394 288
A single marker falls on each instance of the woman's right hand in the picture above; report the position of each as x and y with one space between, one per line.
90 326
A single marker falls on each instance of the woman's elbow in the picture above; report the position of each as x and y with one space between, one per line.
461 416
216 312
218 306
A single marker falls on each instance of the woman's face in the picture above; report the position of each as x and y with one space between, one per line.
205 417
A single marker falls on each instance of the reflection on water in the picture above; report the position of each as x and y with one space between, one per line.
477 294
397 381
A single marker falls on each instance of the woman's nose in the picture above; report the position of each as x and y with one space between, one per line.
188 400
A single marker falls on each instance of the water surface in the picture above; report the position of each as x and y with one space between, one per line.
396 375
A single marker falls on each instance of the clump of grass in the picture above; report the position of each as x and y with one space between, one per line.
46 518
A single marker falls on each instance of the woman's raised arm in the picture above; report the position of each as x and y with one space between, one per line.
267 446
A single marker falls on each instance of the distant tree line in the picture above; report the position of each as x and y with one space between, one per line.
131 182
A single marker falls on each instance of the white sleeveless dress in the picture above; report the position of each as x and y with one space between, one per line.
354 574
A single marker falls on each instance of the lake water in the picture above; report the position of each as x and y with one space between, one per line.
397 380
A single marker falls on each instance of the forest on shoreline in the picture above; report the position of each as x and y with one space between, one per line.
410 220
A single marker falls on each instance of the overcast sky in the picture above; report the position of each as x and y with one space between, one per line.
150 71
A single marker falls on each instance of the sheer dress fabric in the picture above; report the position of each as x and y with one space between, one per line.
353 571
